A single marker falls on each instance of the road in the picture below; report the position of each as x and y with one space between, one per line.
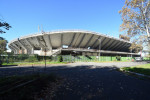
92 81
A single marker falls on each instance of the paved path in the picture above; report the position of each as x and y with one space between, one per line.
100 83
93 81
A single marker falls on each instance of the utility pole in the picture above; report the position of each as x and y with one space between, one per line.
45 58
44 47
99 47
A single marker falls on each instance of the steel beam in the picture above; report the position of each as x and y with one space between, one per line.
14 50
61 40
95 42
116 45
89 41
106 43
29 43
40 44
105 48
77 39
125 47
101 42
25 49
81 40
15 46
32 47
47 37
112 45
72 39
116 49
99 45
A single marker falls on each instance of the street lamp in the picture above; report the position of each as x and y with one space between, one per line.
99 47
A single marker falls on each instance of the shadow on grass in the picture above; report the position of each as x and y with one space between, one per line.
9 65
14 87
144 71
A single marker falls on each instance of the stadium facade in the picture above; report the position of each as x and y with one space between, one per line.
71 42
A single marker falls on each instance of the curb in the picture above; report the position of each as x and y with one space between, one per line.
138 74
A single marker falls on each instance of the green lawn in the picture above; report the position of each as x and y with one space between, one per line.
34 63
142 69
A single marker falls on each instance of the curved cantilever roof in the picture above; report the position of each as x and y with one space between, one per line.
71 38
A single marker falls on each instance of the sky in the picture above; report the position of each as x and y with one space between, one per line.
92 15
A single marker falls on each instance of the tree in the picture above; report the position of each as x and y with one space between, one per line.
3 42
4 25
136 19
136 47
124 37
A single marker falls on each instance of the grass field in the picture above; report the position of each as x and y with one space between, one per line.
142 69
32 63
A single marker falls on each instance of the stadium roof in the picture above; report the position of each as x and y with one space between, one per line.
75 39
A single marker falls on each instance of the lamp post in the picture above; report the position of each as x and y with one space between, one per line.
99 47
44 51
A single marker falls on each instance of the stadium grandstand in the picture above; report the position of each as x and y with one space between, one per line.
72 42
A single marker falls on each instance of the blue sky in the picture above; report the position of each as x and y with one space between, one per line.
93 15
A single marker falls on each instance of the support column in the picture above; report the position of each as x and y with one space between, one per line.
15 46
32 47
25 49
47 41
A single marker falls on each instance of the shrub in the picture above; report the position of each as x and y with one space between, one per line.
118 58
1 63
31 59
22 57
60 58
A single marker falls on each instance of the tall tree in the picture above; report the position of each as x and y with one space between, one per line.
136 19
124 37
4 25
3 42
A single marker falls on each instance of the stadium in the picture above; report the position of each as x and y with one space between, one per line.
73 43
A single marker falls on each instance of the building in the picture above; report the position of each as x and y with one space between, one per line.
71 42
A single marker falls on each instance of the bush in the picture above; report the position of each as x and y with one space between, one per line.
118 58
60 58
1 63
11 60
22 57
31 59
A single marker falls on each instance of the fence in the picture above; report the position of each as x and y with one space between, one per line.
69 58
66 58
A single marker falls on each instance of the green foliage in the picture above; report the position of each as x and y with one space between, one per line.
142 69
31 59
124 37
4 25
135 19
60 58
22 57
118 58
3 44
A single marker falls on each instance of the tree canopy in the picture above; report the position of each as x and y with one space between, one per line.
136 20
3 44
4 25
124 37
